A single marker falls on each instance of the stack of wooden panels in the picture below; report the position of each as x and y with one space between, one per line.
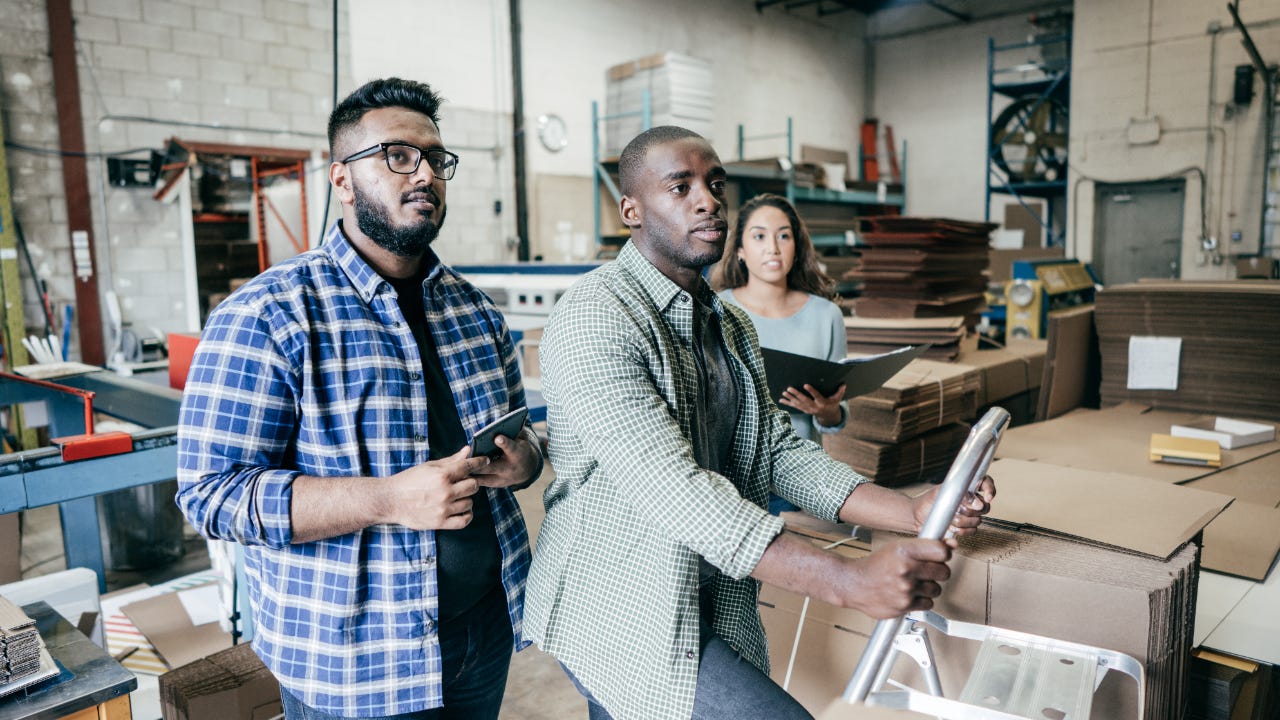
1230 339
922 267
910 429
880 335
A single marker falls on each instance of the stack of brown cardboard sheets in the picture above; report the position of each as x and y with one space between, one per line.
23 658
229 685
879 335
910 428
1230 333
1244 540
1106 595
922 267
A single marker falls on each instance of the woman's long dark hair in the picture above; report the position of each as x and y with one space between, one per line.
804 274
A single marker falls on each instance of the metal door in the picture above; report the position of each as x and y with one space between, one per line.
1138 230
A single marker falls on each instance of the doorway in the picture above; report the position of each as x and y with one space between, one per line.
1138 230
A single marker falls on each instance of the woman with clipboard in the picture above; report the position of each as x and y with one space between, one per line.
770 270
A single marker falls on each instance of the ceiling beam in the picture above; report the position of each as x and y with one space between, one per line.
962 17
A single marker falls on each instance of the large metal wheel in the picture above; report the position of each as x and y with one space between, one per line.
1029 140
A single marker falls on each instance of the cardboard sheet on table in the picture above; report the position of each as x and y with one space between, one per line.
1244 540
1116 439
1123 511
168 627
1256 481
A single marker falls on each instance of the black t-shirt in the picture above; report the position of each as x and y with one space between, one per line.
468 561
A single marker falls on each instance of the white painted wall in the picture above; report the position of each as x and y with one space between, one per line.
1113 43
766 67
932 88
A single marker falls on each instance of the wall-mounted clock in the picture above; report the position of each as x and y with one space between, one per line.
552 132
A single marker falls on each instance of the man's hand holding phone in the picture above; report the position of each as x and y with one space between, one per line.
512 455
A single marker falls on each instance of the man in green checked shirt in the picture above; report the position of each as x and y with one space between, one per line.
666 446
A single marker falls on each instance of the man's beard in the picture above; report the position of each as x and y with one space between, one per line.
373 220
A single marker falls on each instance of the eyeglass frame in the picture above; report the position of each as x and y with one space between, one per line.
422 153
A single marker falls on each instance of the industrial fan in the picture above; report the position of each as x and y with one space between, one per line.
1029 140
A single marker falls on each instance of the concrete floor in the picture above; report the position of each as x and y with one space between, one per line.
537 688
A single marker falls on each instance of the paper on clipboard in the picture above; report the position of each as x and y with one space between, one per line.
860 375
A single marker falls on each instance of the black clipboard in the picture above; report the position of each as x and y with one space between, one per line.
860 375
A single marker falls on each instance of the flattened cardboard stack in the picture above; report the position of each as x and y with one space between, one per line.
879 335
1136 604
1050 586
229 685
19 644
23 657
922 267
681 92
1230 335
910 428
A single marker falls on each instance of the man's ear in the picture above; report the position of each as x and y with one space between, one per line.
340 178
629 209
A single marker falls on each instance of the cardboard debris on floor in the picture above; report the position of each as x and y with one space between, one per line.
180 625
229 685
1230 339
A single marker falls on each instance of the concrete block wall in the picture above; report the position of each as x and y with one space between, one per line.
250 72
1162 60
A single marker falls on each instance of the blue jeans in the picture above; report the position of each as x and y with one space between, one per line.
475 653
729 688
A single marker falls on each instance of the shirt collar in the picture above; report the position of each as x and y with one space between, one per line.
660 288
363 277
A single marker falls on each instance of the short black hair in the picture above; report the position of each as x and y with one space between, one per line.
385 92
632 160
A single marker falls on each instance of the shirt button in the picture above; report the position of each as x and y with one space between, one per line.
419 438
689 654
415 376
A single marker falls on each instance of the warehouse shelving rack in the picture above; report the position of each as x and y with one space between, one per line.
1034 121
604 171
753 179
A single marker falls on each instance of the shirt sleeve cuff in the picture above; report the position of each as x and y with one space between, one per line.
753 545
828 430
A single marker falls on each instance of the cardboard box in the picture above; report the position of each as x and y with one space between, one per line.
1026 218
1228 433
1001 263
1017 368
10 548
1185 450
229 685
1015 580
1264 268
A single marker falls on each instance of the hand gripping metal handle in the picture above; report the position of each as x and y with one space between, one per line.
966 473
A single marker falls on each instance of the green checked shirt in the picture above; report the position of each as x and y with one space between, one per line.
613 590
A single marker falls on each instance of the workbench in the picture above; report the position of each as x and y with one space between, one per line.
34 478
92 686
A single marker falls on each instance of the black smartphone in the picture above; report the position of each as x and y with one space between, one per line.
509 425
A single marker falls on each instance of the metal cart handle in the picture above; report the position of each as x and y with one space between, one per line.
966 472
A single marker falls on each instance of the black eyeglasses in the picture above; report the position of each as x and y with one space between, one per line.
404 158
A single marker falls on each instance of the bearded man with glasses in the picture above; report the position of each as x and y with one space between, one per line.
325 427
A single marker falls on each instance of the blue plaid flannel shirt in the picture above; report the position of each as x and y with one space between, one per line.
311 369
